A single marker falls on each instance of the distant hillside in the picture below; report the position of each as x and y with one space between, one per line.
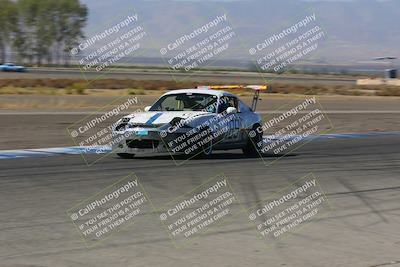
356 30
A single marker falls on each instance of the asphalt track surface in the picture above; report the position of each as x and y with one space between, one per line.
361 177
228 77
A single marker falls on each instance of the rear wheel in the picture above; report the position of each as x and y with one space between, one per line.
255 137
126 155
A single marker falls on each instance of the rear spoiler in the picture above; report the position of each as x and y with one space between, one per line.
256 88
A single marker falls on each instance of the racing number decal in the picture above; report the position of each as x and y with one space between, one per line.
233 133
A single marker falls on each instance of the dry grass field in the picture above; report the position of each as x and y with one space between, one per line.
143 87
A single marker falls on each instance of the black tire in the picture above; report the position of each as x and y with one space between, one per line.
126 155
251 148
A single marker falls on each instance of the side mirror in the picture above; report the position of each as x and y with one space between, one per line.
147 108
231 110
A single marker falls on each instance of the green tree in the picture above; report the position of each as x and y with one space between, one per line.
6 24
26 32
74 19
45 28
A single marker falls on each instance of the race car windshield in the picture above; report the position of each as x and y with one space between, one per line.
186 102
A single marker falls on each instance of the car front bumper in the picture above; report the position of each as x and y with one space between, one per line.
138 141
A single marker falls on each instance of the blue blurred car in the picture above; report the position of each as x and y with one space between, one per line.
12 67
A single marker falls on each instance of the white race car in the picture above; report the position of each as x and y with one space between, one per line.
189 121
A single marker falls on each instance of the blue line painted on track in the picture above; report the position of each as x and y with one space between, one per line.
58 151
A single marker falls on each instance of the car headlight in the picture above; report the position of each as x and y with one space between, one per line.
176 121
120 127
179 123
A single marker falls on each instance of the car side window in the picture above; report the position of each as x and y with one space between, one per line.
243 107
226 102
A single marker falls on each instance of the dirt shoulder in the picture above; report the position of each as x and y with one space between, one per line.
93 102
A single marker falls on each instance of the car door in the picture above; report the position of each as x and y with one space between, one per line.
234 121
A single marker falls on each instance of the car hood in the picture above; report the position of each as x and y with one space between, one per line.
162 117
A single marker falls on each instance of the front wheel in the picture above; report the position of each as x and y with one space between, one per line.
126 155
253 143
